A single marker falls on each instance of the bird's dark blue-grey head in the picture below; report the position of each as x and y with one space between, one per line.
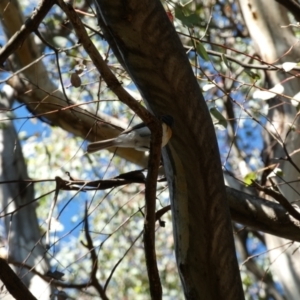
169 120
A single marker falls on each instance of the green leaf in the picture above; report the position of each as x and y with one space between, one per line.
249 178
217 115
253 75
190 20
225 60
202 51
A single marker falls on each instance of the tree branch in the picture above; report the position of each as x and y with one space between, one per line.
154 160
30 25
280 198
108 76
13 283
94 259
246 209
150 206
262 215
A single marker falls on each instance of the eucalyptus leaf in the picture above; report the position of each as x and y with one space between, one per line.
249 178
202 51
217 115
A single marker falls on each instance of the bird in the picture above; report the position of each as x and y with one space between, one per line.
137 137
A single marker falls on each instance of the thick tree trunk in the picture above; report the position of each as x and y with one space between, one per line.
264 20
147 45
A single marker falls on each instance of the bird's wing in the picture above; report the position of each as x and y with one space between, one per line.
144 132
141 128
133 127
96 146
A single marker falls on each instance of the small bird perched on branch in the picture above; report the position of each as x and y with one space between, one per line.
137 137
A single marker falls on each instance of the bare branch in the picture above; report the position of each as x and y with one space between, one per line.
13 283
262 215
94 259
149 225
110 79
280 198
30 25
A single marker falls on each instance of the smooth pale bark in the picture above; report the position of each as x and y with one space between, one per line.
145 41
22 228
264 20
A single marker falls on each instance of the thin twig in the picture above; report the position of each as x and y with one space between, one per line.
108 76
262 66
59 183
289 159
119 261
155 127
149 225
94 259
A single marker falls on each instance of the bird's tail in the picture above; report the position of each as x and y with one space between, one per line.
93 147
